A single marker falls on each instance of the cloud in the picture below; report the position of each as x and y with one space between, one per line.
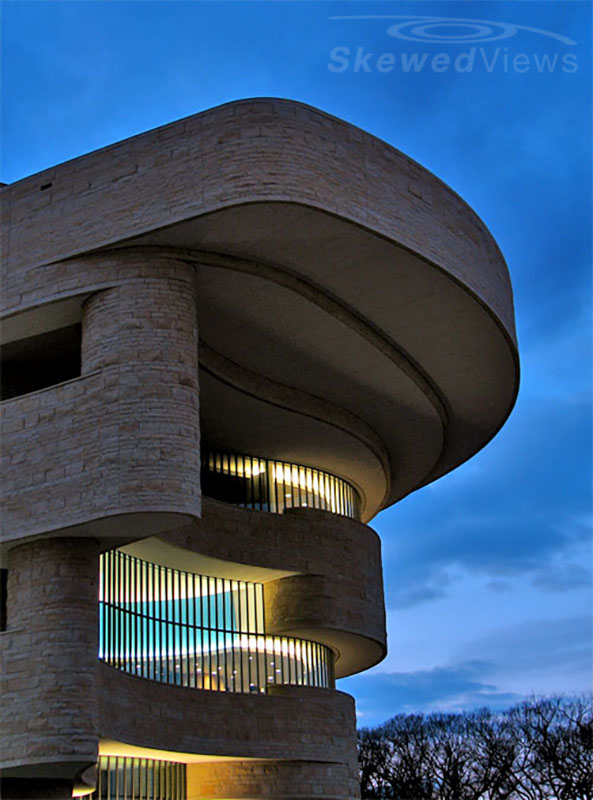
521 509
380 696
547 646
499 587
563 578
543 654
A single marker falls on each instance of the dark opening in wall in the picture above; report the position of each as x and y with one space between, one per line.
40 361
3 597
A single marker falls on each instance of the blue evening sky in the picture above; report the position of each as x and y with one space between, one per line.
488 571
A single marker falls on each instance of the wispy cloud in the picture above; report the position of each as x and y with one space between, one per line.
526 512
448 688
479 671
542 646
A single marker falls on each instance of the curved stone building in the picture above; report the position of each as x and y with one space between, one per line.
227 344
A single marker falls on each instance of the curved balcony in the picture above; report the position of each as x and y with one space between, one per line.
267 485
197 631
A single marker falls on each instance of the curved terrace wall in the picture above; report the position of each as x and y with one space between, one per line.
246 151
123 439
338 597
290 722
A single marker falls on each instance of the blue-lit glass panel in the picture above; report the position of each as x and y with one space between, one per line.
197 631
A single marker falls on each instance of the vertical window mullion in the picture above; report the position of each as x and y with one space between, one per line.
152 607
146 623
130 633
109 606
120 620
185 661
290 661
317 674
214 605
206 658
228 656
178 640
195 602
172 610
261 626
155 578
167 615
114 617
138 615
103 607
126 636
233 625
162 611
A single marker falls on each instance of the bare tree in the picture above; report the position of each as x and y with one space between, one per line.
553 742
374 759
409 777
494 756
538 750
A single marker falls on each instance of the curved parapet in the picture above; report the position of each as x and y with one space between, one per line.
290 722
295 556
240 780
327 609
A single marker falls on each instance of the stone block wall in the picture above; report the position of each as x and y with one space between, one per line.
248 151
287 723
49 658
281 780
337 599
124 437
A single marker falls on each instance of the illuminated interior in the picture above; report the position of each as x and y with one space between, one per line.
197 631
125 778
265 485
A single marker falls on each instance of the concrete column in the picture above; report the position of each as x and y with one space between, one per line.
50 664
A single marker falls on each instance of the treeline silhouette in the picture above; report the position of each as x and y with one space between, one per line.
541 749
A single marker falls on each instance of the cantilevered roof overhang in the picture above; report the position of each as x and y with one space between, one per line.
354 313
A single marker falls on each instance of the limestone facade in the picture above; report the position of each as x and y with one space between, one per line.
274 282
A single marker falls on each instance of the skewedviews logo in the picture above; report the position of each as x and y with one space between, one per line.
473 33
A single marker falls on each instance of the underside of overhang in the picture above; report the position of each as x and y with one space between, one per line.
295 303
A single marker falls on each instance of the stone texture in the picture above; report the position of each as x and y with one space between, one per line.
281 779
251 150
113 456
124 437
289 722
338 598
49 655
239 180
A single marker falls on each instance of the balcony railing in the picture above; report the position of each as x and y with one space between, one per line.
124 778
266 485
198 631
